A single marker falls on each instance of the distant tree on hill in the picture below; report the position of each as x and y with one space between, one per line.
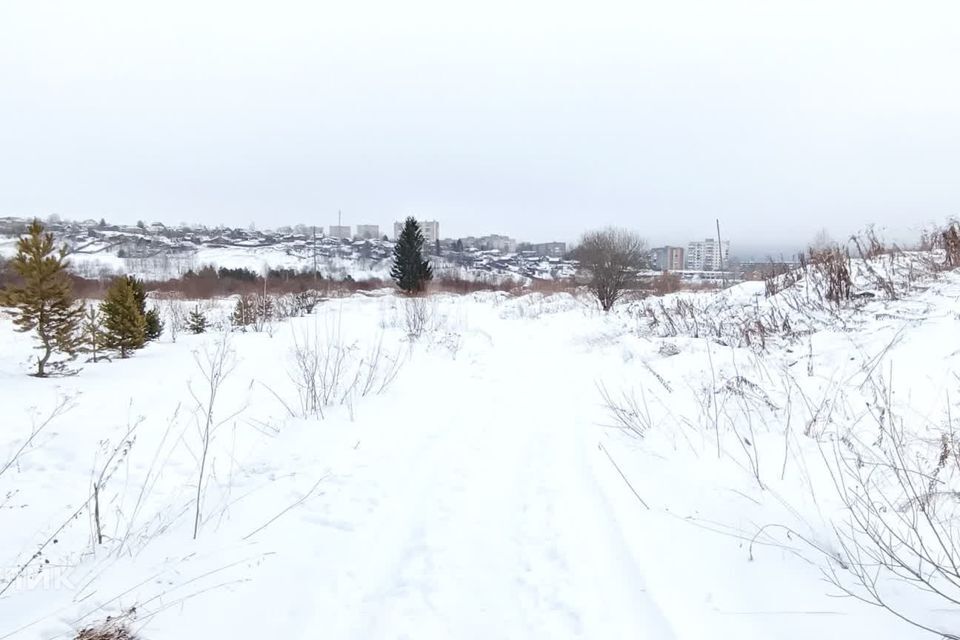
410 271
822 241
436 248
44 300
241 273
459 246
611 258
197 322
125 327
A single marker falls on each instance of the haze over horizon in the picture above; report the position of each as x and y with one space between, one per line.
537 120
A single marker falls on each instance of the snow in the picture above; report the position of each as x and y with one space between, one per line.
477 496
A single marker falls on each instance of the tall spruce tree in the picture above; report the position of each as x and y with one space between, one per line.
410 271
44 302
125 328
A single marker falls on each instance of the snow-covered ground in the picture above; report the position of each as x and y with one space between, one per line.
484 491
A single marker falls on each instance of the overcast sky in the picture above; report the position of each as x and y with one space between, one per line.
534 119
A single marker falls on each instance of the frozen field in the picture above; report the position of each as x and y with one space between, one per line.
473 482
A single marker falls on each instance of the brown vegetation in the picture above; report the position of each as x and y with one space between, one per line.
112 628
832 265
666 283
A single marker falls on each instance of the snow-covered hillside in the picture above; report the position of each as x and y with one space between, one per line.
484 466
160 253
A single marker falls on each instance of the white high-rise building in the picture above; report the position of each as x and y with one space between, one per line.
429 228
341 232
368 231
707 255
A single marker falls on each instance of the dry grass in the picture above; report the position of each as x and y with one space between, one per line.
112 628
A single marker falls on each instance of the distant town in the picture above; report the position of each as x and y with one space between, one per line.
358 251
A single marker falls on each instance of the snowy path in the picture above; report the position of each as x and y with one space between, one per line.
468 501
482 519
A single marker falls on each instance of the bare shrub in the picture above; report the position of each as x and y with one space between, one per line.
173 311
869 246
216 362
832 268
63 405
901 498
558 285
327 372
611 258
253 311
114 456
112 628
295 305
627 413
778 276
305 302
447 283
420 315
668 349
666 283
950 243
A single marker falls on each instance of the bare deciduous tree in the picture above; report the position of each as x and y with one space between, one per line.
175 313
611 257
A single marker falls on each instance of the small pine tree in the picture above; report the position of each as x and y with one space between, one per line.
44 303
93 334
263 310
154 325
244 312
125 327
410 271
197 322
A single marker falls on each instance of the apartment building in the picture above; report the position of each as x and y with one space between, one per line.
429 228
341 232
707 255
667 258
368 231
550 249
